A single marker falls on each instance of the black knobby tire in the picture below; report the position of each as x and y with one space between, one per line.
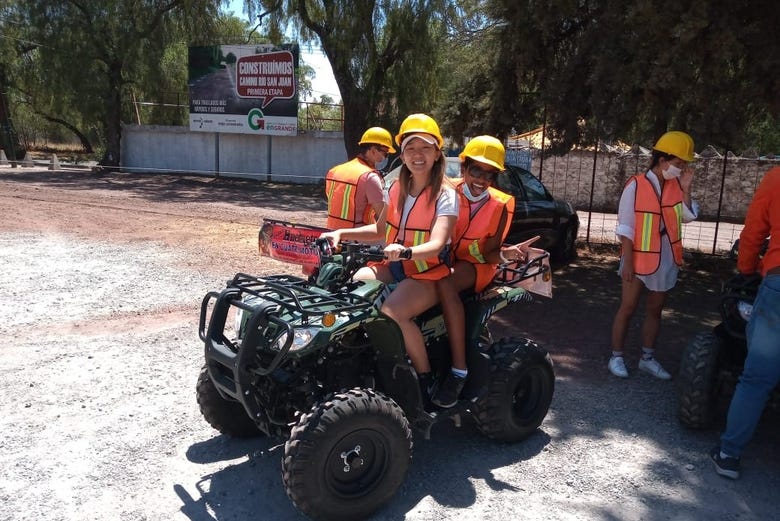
697 390
347 456
520 390
227 416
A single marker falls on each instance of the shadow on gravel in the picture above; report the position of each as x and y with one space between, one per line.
575 325
161 187
242 490
255 485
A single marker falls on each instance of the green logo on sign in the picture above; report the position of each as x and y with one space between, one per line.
255 119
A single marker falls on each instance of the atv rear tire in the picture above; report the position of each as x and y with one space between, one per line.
520 390
347 456
697 381
227 416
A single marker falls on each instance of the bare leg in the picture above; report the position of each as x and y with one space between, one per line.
378 272
410 298
448 289
652 323
631 291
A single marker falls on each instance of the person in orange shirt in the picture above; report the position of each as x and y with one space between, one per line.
652 208
355 189
416 224
761 373
483 223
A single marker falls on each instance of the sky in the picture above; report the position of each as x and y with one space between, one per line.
323 81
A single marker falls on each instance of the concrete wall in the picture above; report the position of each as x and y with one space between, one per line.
304 158
570 177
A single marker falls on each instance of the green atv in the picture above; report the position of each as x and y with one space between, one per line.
315 362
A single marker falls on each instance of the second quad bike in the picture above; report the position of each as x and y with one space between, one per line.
315 362
712 362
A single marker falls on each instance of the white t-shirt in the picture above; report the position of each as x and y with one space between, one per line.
446 204
665 277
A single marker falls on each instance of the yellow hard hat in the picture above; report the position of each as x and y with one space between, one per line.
422 123
378 136
485 149
676 143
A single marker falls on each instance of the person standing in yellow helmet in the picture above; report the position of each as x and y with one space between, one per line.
416 224
483 223
652 208
355 189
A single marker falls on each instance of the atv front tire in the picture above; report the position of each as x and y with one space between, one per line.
347 456
227 416
697 381
520 390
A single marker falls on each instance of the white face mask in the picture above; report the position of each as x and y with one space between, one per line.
671 173
381 165
472 197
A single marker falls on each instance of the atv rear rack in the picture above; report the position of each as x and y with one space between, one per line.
512 273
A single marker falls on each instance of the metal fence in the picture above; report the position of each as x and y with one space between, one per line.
592 181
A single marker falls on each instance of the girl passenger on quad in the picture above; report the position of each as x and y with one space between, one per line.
483 223
416 224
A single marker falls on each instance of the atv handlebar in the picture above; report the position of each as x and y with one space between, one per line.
352 249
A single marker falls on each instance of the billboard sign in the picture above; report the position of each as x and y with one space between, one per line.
245 89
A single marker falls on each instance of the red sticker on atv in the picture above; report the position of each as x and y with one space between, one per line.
289 242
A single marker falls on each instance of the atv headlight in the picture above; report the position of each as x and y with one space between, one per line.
745 309
301 338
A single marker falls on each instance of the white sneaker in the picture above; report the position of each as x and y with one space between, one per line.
654 368
618 367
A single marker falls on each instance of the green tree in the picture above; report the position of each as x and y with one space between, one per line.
472 66
90 53
634 69
384 53
323 114
163 85
12 48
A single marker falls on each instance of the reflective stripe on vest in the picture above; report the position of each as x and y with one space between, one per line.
340 188
417 230
649 214
472 232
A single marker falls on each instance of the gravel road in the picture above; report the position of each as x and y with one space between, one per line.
101 281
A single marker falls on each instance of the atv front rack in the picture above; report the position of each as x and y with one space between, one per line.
276 295
297 296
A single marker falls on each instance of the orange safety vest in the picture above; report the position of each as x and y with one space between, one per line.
341 184
473 231
417 230
649 213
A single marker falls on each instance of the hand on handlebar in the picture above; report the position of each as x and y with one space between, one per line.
394 252
334 237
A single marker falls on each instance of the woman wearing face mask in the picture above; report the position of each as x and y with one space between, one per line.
477 245
652 209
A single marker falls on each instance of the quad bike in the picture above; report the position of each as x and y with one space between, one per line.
712 363
314 361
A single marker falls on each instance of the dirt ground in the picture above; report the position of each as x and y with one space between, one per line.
101 283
